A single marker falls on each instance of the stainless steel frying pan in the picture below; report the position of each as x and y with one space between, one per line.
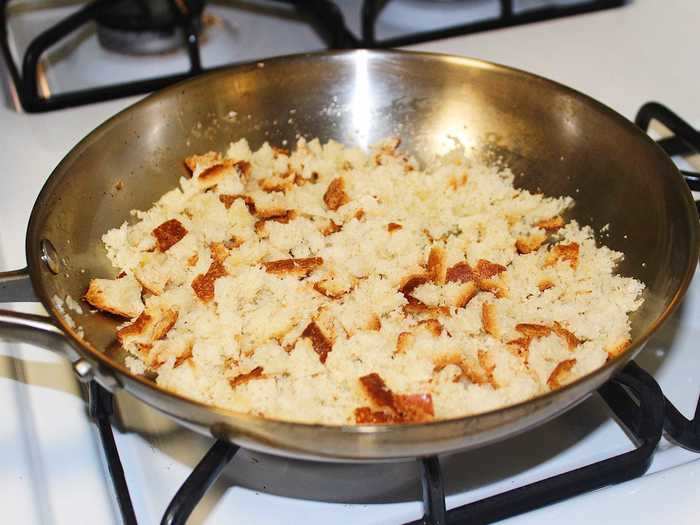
561 141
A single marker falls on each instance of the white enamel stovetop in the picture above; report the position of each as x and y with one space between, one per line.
51 469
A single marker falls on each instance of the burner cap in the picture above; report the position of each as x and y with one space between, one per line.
145 26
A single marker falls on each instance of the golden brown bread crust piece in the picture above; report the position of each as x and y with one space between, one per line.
403 342
376 389
432 325
571 340
437 265
228 200
163 325
299 267
488 366
551 224
564 252
321 344
388 148
243 168
420 308
460 272
335 195
135 328
374 323
184 356
488 320
159 326
105 295
410 284
366 416
242 379
520 347
393 408
331 228
545 284
414 306
467 293
414 408
277 151
497 288
529 244
458 182
276 214
470 368
203 284
481 275
218 251
617 348
531 330
327 290
281 216
216 168
560 373
214 173
233 242
463 272
168 234
208 158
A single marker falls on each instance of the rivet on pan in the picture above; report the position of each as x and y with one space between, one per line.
83 370
49 256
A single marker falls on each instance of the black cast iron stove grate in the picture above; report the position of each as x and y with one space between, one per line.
634 397
323 15
508 17
684 141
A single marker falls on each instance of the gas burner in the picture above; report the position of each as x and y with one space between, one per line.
65 64
145 27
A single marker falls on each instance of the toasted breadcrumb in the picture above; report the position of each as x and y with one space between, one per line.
551 224
403 342
331 285
530 243
335 195
117 296
561 374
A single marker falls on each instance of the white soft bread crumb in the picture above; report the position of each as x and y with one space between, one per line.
117 296
291 284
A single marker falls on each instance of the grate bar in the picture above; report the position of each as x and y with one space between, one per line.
101 408
642 416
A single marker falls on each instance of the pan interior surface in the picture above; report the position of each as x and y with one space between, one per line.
557 141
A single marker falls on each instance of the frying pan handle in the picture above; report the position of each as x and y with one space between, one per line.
40 330
16 287
34 329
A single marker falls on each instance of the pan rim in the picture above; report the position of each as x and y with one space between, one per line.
609 368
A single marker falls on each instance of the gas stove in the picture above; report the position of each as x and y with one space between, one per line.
75 454
63 54
612 438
